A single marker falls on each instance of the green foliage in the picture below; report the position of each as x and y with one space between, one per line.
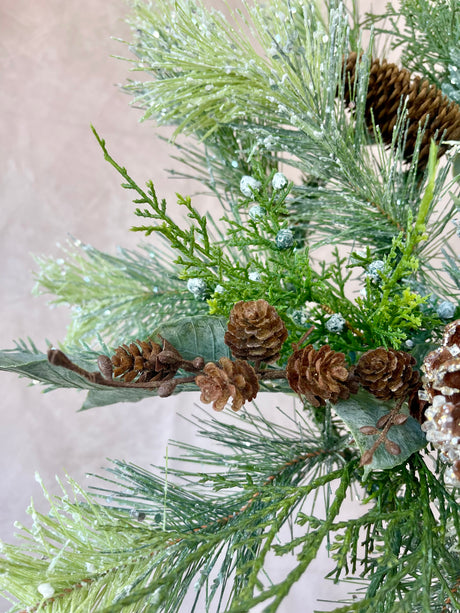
260 91
214 527
117 297
349 193
215 517
286 277
409 558
429 36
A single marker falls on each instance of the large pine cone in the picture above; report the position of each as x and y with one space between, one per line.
318 376
255 331
441 384
140 360
387 373
387 85
227 379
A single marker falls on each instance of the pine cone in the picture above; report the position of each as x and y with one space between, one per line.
431 365
318 376
219 381
451 337
387 373
387 84
441 384
140 359
255 331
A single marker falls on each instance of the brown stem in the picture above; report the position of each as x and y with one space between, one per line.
369 454
57 358
295 346
272 374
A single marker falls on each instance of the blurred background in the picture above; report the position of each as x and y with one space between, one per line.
58 77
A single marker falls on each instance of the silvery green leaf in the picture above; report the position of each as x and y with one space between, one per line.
363 409
197 335
31 363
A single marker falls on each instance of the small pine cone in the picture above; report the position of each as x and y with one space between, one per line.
318 376
227 379
426 103
387 373
255 331
140 359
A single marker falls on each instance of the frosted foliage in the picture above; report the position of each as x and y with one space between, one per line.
257 212
451 88
446 309
336 323
249 186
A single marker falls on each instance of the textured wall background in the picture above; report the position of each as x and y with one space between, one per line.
57 78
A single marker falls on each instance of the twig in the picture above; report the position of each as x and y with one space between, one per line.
367 456
57 358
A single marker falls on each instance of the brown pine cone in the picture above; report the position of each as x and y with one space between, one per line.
140 360
320 375
387 373
255 331
221 380
426 103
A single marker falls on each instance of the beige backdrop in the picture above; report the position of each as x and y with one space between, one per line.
57 78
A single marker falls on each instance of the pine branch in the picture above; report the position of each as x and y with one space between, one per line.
128 532
117 297
428 39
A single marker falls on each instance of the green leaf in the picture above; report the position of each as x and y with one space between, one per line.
198 335
103 396
365 410
33 364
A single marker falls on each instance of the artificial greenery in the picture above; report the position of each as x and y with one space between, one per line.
428 39
294 171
